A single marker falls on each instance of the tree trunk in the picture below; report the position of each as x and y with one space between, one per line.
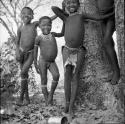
119 19
119 5
95 90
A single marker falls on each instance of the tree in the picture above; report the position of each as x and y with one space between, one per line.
10 12
119 5
95 90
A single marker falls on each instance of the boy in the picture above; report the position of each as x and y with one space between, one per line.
48 52
24 50
73 51
108 26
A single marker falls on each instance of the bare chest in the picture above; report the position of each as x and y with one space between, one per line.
28 32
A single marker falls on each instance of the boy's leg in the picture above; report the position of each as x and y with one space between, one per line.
76 77
67 86
27 94
43 74
68 69
109 47
22 91
55 74
24 75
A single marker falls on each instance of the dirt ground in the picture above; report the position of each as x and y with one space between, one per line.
37 111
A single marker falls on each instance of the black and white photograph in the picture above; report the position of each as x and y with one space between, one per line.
62 62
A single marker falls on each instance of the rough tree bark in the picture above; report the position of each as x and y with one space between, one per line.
119 17
119 5
95 90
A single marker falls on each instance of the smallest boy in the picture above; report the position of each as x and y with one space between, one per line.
48 52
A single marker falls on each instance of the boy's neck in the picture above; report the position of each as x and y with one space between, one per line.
74 13
47 34
27 23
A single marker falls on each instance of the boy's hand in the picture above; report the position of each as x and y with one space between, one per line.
37 68
17 54
53 33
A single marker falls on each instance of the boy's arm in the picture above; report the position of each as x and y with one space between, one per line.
60 34
98 18
60 13
63 6
18 44
36 23
36 50
18 38
53 17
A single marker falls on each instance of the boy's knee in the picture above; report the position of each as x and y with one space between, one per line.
56 77
44 89
43 79
24 74
76 76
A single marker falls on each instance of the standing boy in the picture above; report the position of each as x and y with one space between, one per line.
48 52
73 51
26 34
108 27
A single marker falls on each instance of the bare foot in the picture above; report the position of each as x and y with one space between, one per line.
26 102
116 77
66 109
46 99
70 117
19 102
50 99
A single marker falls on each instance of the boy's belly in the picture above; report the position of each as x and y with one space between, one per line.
74 37
27 41
27 45
49 53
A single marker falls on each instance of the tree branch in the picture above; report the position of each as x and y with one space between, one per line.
6 8
7 28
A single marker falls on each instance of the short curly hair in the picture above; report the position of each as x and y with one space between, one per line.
27 8
65 2
45 17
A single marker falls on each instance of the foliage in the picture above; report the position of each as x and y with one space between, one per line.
10 71
8 64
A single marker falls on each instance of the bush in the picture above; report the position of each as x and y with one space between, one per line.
10 71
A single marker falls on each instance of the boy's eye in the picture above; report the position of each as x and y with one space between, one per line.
27 15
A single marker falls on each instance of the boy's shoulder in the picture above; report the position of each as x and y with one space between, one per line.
38 37
20 26
35 23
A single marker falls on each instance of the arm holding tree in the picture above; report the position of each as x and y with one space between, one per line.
98 18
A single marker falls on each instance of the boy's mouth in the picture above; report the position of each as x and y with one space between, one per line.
72 9
26 18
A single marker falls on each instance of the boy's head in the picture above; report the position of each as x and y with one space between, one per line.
45 24
27 14
71 5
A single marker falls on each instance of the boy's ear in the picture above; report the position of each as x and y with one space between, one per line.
32 17
39 25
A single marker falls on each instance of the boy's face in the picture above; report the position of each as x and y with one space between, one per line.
26 15
45 26
72 5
